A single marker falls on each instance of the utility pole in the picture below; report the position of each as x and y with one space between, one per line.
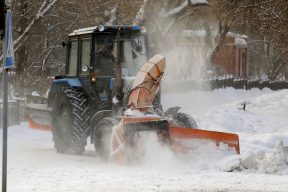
8 62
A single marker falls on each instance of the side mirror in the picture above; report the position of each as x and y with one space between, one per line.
138 45
109 45
63 44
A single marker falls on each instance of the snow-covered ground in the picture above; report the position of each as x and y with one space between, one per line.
34 165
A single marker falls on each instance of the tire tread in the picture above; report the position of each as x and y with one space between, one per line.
77 140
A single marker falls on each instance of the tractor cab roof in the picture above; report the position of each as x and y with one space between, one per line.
110 28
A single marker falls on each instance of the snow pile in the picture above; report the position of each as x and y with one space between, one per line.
239 42
259 127
230 163
258 162
248 160
35 93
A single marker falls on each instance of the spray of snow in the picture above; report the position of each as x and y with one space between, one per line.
184 62
157 156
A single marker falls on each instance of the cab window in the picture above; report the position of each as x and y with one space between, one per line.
104 60
73 56
85 55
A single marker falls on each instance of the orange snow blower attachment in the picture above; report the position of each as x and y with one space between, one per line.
146 84
139 119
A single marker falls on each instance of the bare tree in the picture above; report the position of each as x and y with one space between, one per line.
118 12
266 59
269 20
39 26
166 17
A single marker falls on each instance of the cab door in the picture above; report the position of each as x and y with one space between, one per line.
85 52
103 67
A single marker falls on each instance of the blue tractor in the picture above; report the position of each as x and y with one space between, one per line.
91 97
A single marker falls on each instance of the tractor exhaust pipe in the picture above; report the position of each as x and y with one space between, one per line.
118 70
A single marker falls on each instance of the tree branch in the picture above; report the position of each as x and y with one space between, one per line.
140 15
186 5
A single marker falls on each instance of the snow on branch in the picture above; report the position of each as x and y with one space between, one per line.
40 13
40 10
44 52
279 68
196 3
111 15
140 15
176 10
191 3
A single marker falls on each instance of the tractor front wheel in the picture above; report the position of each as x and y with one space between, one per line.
70 121
102 137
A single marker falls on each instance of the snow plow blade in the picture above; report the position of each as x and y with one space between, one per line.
179 135
37 126
39 117
179 139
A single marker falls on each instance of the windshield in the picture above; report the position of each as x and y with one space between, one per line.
133 56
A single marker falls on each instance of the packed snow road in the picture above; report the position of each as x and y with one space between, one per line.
34 165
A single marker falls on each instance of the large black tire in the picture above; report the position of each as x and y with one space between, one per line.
70 121
183 120
102 137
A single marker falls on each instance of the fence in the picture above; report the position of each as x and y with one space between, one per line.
247 84
15 111
221 82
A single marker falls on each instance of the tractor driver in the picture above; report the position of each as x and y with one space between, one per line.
104 61
104 66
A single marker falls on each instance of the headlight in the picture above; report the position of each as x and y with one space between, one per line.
101 28
85 68
143 29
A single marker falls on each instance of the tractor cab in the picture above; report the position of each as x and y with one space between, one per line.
94 51
92 56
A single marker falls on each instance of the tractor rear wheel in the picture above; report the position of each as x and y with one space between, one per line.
70 121
183 120
102 137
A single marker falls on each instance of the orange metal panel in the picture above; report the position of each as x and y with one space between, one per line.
120 158
141 97
183 133
140 78
159 61
33 125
